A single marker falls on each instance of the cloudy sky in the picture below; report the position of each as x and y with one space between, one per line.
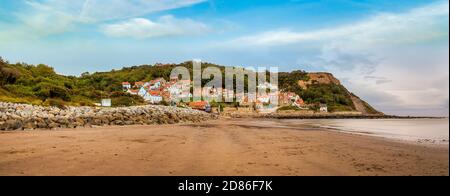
394 54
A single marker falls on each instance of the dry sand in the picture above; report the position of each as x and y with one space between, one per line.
222 147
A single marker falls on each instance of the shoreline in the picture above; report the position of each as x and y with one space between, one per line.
281 123
327 116
225 147
28 117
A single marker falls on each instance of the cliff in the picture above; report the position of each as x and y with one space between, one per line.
322 78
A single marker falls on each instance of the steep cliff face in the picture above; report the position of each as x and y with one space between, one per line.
319 78
322 78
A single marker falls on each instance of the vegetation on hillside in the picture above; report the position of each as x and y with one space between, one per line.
334 95
39 84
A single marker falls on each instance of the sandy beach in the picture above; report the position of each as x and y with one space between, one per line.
218 147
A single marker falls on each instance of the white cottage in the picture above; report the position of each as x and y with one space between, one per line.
153 97
323 108
142 91
126 86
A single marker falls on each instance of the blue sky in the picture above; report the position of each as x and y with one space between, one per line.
392 53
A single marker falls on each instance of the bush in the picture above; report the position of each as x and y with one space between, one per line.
56 103
47 90
284 108
335 96
129 100
164 103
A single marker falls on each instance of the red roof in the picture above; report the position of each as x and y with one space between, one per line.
300 102
154 93
290 94
198 104
125 83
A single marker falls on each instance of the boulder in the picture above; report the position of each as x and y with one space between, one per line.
13 124
22 116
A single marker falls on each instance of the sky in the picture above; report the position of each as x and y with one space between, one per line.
393 54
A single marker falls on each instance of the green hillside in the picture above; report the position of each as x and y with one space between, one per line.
40 85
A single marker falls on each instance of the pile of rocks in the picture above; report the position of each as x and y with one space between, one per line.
29 117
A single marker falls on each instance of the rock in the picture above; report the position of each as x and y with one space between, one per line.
53 125
129 122
29 126
97 122
13 124
2 125
119 122
22 116
88 125
170 121
71 125
41 125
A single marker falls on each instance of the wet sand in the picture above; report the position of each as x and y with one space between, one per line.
222 147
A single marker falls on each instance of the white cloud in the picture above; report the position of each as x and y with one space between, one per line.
47 17
384 28
103 10
396 61
141 28
44 20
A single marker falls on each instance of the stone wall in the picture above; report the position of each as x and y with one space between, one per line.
29 117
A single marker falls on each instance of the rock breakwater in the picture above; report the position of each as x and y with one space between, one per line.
28 117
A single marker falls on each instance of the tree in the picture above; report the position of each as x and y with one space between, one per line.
43 71
85 74
8 75
3 62
47 90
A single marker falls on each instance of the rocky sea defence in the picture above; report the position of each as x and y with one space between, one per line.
29 117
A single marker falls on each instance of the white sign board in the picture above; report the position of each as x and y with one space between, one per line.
106 102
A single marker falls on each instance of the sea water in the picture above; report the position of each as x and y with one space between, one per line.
435 131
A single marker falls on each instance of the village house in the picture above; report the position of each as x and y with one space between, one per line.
142 91
267 86
153 97
179 89
227 93
291 99
259 105
200 105
244 102
247 99
138 85
166 96
158 90
300 103
133 92
323 108
273 97
173 90
126 86
213 93
157 83
265 99
284 99
174 79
